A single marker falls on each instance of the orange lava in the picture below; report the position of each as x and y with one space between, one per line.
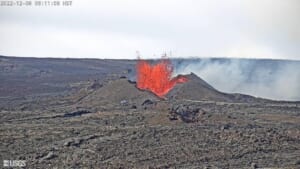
157 78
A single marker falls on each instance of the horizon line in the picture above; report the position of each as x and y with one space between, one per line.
154 58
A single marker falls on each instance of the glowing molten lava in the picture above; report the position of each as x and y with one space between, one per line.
157 78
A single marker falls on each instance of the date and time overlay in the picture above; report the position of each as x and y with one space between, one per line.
36 3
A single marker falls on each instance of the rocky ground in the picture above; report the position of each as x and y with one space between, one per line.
109 123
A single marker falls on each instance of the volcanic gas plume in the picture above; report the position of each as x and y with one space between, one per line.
157 78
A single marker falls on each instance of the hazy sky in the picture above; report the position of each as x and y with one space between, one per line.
118 28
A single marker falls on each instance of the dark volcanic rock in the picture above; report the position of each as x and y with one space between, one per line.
195 126
95 85
147 102
187 113
76 113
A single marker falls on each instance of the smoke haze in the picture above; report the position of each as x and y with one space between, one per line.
272 79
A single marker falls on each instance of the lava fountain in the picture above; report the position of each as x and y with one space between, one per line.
157 78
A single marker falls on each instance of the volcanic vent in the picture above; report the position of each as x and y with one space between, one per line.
154 83
157 78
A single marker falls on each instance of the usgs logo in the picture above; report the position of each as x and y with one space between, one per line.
14 163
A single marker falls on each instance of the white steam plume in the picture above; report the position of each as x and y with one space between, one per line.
272 79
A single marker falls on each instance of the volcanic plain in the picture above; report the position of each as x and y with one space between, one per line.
88 113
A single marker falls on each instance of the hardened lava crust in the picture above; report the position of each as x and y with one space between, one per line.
81 113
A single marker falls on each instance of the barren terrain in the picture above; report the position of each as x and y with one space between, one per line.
68 113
